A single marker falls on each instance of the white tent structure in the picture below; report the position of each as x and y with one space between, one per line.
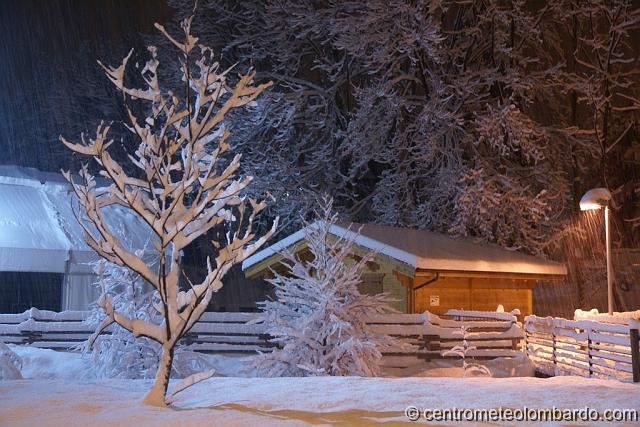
39 232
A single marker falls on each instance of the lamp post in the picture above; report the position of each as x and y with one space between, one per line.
597 198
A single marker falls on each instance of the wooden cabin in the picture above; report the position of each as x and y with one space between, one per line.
427 271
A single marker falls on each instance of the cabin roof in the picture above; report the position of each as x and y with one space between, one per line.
426 250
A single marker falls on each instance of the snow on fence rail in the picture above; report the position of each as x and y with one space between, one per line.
214 332
616 317
494 334
228 332
584 347
46 329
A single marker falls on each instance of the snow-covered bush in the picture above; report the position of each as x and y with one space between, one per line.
462 350
10 364
120 354
318 316
181 181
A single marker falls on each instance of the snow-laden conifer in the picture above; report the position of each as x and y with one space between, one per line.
318 316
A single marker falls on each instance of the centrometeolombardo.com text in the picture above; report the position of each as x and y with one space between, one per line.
553 414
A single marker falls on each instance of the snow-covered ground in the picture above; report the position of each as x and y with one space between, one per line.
229 401
58 390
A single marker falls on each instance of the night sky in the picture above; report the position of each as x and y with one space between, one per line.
49 79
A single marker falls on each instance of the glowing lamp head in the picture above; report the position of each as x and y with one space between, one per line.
595 198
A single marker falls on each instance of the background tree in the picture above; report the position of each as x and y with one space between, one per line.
602 82
599 84
292 132
422 115
182 189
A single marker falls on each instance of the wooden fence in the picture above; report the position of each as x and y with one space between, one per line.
556 346
426 336
429 336
46 329
584 347
214 332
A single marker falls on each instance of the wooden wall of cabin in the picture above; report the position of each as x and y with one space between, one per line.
382 279
379 276
470 293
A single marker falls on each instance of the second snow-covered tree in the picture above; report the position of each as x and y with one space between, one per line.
318 316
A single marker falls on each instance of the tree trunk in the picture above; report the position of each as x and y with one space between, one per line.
156 395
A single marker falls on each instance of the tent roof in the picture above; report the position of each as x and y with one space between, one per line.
425 250
38 229
30 237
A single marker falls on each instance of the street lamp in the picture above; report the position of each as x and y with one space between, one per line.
597 198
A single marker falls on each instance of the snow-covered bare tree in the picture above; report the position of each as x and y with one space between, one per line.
318 316
185 184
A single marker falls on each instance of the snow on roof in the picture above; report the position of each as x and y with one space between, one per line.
38 229
28 230
425 250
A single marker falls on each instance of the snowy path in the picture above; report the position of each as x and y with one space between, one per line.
297 401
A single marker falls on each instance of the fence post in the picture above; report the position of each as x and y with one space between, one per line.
526 338
635 354
589 355
553 352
